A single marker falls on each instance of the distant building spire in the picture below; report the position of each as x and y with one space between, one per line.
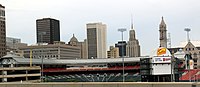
131 21
132 31
162 22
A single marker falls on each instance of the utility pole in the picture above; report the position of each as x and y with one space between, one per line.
42 58
122 30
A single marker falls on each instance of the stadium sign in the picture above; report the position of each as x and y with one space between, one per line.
161 59
161 51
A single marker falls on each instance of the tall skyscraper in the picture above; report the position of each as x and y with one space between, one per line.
3 31
48 30
96 37
163 33
132 47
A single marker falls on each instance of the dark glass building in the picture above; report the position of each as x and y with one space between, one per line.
48 30
121 45
2 31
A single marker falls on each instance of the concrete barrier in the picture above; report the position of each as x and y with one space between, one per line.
104 84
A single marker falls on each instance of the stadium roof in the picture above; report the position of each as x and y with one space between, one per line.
21 60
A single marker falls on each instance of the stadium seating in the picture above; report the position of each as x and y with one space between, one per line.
97 77
193 74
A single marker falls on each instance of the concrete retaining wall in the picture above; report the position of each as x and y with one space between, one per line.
104 84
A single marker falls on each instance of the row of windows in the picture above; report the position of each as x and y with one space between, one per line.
2 22
189 49
2 45
2 48
2 53
2 13
3 38
44 51
3 26
46 56
195 54
3 30
3 33
2 41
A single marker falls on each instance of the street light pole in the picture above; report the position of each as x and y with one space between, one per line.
122 30
188 30
42 58
188 40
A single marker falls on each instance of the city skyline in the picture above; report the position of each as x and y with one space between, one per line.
74 15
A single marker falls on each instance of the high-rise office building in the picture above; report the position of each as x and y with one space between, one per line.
48 30
163 33
3 31
122 48
132 47
96 39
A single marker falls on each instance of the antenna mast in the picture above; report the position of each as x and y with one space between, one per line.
169 40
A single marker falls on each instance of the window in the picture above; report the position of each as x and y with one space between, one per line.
195 55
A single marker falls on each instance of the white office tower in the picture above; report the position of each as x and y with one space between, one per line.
96 36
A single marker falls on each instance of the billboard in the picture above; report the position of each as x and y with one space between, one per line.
161 69
161 62
162 59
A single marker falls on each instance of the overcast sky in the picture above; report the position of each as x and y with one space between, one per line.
21 18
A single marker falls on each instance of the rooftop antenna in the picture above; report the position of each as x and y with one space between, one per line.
169 40
131 21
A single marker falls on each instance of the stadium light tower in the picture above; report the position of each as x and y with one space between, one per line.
122 30
42 57
188 30
188 40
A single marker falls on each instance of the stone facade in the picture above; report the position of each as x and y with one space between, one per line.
113 52
82 45
190 48
58 50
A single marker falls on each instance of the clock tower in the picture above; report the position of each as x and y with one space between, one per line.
163 34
